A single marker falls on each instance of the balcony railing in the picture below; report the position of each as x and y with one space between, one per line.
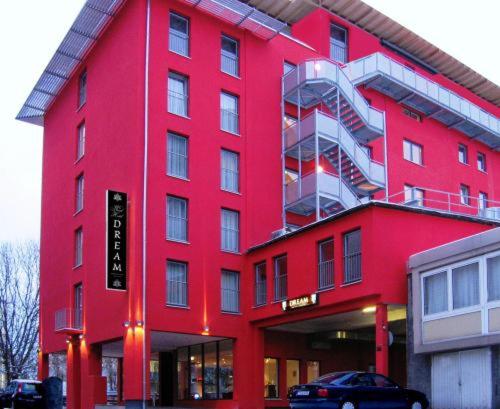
260 292
352 268
177 103
325 274
229 63
280 287
229 121
178 42
68 320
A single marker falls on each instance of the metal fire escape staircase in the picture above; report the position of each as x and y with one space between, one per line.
336 136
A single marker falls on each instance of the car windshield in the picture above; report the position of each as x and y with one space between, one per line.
31 387
334 378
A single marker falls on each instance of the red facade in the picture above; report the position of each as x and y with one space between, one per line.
126 124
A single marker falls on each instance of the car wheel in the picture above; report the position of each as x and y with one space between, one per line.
349 405
416 405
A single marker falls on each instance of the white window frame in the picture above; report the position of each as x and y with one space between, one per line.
80 141
338 45
183 157
465 152
411 158
185 283
234 292
235 58
224 170
185 219
82 88
178 34
413 193
236 231
79 198
464 196
78 247
234 114
171 94
481 164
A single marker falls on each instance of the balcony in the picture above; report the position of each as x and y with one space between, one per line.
69 320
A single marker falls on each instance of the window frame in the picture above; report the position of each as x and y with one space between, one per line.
337 43
481 162
238 231
185 282
257 273
186 219
236 113
345 235
414 191
278 278
226 54
79 192
278 374
80 141
185 157
237 292
237 173
320 262
177 76
179 34
78 306
78 247
412 145
465 199
463 150
82 88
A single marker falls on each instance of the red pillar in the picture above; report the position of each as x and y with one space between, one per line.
43 366
92 381
133 366
382 340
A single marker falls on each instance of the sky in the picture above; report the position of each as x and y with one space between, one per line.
31 30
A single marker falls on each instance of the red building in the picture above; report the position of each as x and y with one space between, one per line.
279 166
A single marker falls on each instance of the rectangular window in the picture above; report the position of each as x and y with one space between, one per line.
280 278
325 264
230 230
177 218
178 94
78 316
414 196
182 373
287 67
291 175
78 247
435 293
229 62
229 171
226 369
177 283
481 161
292 373
352 256
210 370
229 113
482 201
464 195
493 278
271 378
412 152
82 89
177 153
79 194
312 370
463 154
80 141
260 284
178 40
412 114
230 291
196 372
338 43
465 281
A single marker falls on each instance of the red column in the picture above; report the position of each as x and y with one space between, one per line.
381 340
92 381
43 366
133 365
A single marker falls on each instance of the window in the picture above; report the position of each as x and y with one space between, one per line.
196 372
481 161
225 369
383 382
229 55
287 67
463 154
352 256
493 273
338 43
412 114
178 94
465 281
229 171
290 176
292 373
182 374
177 218
79 194
178 40
210 370
80 141
271 378
435 289
176 283
177 153
464 195
412 152
280 278
312 370
82 89
260 284
414 196
230 291
482 201
229 117
78 247
288 121
78 302
325 264
230 230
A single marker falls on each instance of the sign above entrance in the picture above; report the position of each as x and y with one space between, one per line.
116 240
300 302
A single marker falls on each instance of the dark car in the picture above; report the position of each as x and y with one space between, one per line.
355 390
22 394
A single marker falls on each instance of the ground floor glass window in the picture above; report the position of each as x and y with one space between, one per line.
270 378
312 370
292 373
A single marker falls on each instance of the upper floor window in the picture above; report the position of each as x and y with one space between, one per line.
412 152
464 195
177 155
82 89
230 171
412 114
230 52
79 193
78 256
481 161
465 282
414 196
178 94
229 113
352 256
463 154
435 293
291 175
178 40
325 264
80 141
260 284
482 200
230 230
230 289
177 218
78 303
493 278
280 278
177 283
287 67
338 43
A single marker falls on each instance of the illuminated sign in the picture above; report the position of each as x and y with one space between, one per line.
300 302
116 240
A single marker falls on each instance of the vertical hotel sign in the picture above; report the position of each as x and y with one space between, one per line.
116 240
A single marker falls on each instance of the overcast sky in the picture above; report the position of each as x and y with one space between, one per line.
31 30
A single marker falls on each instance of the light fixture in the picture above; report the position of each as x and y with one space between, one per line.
317 66
126 324
81 336
319 169
139 323
370 309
